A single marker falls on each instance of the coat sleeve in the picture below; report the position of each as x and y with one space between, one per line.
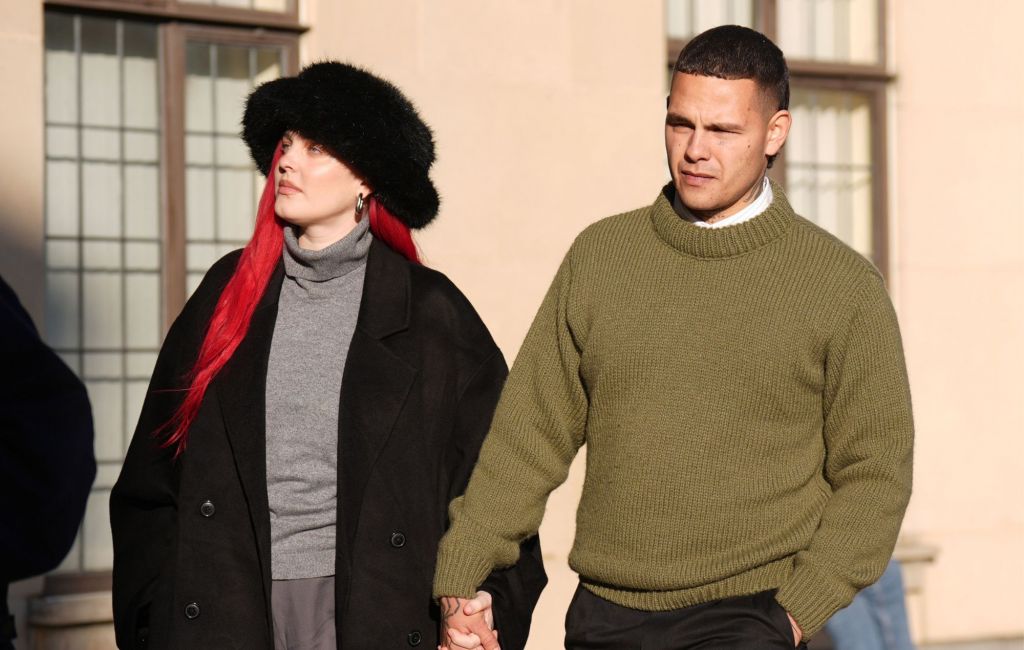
46 448
515 590
143 502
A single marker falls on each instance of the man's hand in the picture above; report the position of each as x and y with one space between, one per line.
798 634
467 624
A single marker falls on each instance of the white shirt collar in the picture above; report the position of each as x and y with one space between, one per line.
756 207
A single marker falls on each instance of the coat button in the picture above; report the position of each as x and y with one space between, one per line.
398 541
414 638
207 509
192 611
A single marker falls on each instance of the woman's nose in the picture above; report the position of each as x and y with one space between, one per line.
286 161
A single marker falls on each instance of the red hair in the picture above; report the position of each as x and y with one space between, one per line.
243 292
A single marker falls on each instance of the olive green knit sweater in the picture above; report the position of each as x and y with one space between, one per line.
743 398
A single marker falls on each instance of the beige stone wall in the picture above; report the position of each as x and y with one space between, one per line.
547 116
959 229
21 165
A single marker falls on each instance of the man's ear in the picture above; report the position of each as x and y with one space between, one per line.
778 131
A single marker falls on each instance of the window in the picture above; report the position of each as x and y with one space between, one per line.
833 165
221 186
145 177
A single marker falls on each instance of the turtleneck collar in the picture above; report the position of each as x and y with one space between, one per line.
730 241
340 258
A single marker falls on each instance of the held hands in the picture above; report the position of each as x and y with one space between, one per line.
468 624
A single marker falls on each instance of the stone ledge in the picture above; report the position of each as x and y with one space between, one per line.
69 610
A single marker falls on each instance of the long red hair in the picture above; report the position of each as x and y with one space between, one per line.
238 300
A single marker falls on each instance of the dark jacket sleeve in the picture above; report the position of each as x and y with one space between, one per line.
515 590
143 502
46 448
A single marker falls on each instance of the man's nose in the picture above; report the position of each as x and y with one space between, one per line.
696 146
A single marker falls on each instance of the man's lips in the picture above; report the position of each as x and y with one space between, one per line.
696 179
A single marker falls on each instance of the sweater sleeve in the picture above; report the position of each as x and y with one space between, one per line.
536 431
515 589
868 434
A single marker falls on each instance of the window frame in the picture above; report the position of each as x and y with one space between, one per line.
871 79
287 20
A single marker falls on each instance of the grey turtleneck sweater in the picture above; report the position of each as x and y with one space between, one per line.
316 318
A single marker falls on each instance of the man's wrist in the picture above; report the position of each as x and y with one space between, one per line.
450 605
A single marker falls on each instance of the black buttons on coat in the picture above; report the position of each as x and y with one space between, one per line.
414 638
398 540
192 611
207 509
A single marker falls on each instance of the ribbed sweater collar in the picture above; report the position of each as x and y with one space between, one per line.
338 259
730 241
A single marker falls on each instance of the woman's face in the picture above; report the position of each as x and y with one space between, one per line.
314 188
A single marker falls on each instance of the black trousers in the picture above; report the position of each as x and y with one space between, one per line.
744 622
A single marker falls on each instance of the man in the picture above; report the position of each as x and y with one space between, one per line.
46 457
738 378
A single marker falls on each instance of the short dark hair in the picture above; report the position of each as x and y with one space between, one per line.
734 52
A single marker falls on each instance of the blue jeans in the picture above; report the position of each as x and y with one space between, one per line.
876 619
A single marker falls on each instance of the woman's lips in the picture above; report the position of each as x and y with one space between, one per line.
286 188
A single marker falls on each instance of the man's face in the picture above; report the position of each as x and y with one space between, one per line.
718 133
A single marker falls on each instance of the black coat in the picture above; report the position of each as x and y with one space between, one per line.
419 388
46 457
46 448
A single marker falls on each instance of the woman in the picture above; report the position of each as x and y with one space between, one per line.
316 405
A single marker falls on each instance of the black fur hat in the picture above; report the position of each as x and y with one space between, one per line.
362 119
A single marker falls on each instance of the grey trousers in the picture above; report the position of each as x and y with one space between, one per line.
303 613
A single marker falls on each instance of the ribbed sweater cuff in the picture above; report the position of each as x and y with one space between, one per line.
812 597
463 564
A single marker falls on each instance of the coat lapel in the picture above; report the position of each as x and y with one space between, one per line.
241 391
374 389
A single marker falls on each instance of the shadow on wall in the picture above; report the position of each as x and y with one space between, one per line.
22 265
